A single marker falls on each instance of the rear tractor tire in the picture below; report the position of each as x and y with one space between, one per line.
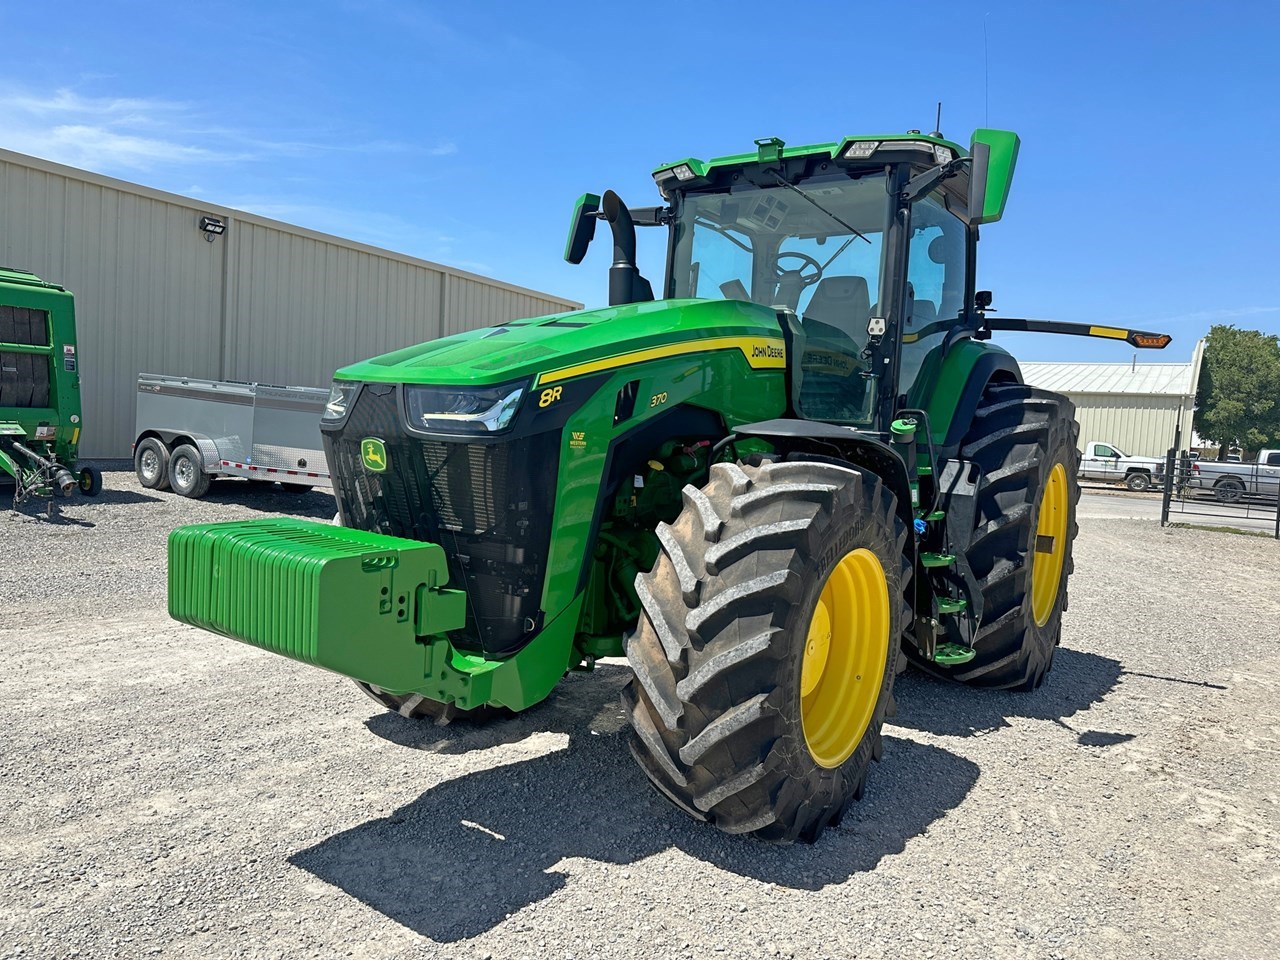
416 707
1019 550
767 647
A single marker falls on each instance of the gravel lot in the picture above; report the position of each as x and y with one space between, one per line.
165 792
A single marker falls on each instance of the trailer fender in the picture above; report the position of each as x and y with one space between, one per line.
209 456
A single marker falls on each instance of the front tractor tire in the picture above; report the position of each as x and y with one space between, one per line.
1020 546
767 647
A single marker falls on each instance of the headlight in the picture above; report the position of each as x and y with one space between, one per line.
464 409
340 395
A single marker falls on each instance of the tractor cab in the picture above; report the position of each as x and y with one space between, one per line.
864 249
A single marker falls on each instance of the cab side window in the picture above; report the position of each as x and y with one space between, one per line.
935 285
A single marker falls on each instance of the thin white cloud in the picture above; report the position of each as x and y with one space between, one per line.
101 133
117 134
68 102
84 145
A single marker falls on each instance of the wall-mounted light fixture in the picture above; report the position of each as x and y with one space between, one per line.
212 227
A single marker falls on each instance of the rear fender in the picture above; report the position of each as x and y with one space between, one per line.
968 368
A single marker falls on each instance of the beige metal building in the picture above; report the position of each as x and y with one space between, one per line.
263 300
1134 406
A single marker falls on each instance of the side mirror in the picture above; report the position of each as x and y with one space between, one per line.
582 228
995 154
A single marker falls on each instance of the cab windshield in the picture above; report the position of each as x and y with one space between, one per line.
816 250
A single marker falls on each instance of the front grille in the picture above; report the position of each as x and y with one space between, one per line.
488 504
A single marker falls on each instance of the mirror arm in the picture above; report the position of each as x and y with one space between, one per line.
644 216
922 183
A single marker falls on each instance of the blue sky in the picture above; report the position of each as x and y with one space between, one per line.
463 132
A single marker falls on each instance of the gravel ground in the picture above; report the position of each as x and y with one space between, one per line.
165 792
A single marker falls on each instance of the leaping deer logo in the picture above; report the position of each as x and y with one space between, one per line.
373 453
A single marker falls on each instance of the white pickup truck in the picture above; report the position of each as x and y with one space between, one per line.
1106 461
1232 481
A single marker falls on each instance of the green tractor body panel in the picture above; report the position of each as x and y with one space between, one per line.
562 347
39 376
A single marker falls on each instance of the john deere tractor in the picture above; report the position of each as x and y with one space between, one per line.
800 469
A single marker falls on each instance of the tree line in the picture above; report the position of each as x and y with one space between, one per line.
1238 399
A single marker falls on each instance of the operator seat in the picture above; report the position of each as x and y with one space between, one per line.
831 364
842 303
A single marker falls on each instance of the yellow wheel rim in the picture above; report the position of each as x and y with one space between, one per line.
1050 545
845 651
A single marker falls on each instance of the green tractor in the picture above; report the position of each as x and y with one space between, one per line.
802 468
40 391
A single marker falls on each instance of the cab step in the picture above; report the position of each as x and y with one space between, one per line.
952 605
937 559
951 654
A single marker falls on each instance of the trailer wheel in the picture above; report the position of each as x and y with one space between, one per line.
1138 482
90 481
151 464
416 707
767 647
1024 525
186 472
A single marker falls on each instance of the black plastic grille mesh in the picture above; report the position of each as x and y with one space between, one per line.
488 504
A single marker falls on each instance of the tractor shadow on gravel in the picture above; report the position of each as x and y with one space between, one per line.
475 850
1076 682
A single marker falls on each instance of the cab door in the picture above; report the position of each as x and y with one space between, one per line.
1269 475
1099 462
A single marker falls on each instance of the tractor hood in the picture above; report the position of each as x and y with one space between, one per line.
566 345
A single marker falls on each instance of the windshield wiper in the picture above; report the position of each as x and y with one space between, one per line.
791 186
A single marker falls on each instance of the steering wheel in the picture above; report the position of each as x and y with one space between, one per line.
806 279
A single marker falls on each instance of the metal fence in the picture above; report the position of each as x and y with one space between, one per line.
1190 497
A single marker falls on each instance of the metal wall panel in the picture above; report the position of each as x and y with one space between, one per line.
1138 425
266 301
146 285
